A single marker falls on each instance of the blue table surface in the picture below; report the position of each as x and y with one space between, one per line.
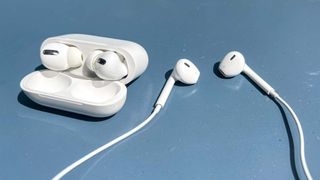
216 129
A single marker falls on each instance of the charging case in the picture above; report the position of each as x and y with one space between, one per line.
79 90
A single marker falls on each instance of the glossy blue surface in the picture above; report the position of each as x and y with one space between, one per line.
216 129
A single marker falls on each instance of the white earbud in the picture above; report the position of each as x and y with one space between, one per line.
107 65
234 63
184 71
60 57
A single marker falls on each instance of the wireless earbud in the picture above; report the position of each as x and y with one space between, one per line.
184 71
60 57
234 63
106 65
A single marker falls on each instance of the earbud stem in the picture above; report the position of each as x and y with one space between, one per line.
165 92
259 81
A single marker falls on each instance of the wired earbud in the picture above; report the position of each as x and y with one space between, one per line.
233 64
184 71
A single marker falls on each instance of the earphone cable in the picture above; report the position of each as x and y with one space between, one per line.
301 136
62 173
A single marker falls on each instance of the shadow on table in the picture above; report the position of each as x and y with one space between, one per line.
290 138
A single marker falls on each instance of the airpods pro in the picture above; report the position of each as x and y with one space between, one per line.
85 74
107 65
60 57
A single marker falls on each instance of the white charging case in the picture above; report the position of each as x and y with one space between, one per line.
79 90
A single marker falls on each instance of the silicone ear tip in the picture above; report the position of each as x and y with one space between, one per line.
74 57
90 59
123 70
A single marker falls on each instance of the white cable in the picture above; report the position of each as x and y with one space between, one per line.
302 152
106 146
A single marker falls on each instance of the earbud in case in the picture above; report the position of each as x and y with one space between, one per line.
86 74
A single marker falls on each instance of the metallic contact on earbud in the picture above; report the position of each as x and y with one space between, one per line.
50 52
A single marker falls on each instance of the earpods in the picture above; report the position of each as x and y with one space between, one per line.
106 65
60 57
234 63
184 71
